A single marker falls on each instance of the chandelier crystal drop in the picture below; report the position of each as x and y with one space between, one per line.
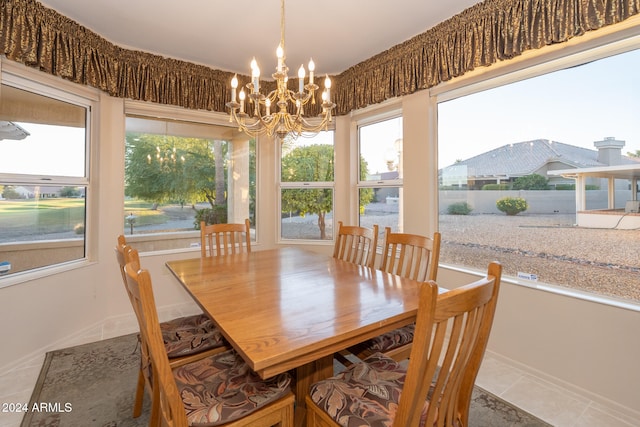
269 114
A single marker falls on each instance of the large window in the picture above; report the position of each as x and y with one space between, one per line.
44 177
306 187
380 177
179 173
500 198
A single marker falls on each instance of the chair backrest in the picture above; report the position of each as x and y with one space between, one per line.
224 238
119 249
450 340
125 254
356 245
411 255
165 389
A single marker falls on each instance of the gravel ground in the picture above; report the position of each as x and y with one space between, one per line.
601 261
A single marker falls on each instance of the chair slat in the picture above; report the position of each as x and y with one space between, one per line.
225 238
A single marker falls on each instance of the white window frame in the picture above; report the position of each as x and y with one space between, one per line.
304 186
606 43
152 111
24 78
367 120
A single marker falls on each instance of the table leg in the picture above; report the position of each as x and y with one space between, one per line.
305 376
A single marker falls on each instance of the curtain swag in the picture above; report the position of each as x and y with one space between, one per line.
483 34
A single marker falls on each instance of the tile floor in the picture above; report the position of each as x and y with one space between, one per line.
547 401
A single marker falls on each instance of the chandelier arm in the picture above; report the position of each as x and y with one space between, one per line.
281 99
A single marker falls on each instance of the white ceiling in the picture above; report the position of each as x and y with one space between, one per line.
226 34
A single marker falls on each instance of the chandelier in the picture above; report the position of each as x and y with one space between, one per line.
270 114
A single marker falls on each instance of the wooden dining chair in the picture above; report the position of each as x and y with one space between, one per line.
452 330
224 238
185 338
356 245
412 256
219 390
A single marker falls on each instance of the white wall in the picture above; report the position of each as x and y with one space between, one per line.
582 345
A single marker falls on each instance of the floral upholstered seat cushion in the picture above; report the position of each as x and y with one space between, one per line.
366 394
223 388
393 339
190 335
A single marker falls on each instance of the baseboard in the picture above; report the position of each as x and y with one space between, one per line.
108 328
632 416
61 343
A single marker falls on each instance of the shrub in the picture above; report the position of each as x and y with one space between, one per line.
452 188
495 187
460 208
561 187
531 182
216 215
512 205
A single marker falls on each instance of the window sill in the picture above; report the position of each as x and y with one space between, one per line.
554 289
40 273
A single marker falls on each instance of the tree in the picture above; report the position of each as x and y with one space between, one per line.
218 157
10 193
163 169
69 192
531 182
636 154
313 163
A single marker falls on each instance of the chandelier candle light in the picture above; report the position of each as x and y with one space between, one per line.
261 119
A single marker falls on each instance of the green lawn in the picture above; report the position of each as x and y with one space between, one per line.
31 217
49 214
48 218
144 212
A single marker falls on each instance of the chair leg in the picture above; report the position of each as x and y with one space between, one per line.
137 406
155 418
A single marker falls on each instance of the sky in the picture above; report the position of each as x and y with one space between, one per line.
576 106
377 143
48 150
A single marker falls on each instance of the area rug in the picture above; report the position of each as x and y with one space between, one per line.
94 385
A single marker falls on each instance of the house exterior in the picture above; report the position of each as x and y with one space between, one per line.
505 164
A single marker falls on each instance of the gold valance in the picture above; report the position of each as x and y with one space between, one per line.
488 32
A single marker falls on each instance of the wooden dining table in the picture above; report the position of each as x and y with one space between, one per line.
291 308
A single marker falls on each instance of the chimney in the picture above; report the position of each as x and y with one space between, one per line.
609 151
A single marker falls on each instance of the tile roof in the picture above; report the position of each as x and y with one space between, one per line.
525 158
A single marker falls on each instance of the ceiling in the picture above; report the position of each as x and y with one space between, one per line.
226 35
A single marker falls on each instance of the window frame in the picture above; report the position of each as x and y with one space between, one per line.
159 112
607 43
304 185
23 78
398 183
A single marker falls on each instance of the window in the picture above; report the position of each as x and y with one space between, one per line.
513 139
306 187
178 173
380 178
44 179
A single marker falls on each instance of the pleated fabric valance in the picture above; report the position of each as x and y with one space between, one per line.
488 32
